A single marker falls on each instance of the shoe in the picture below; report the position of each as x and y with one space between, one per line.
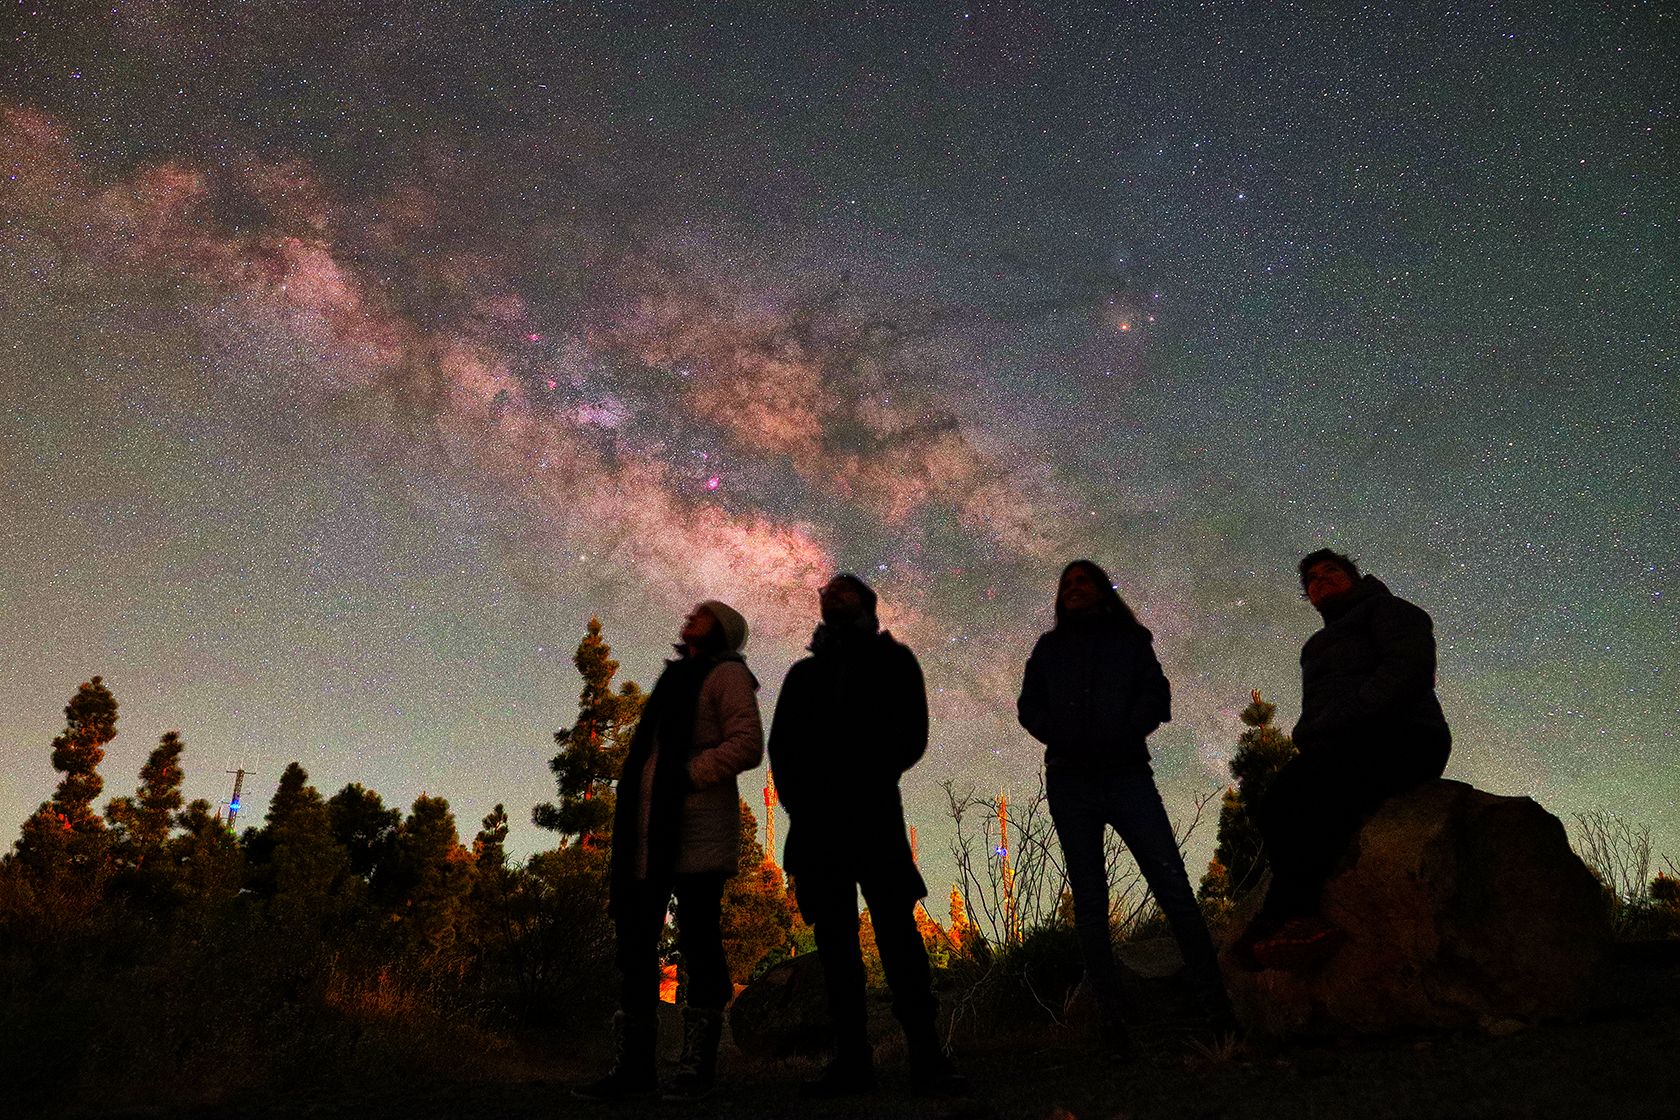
1222 1024
1241 951
618 1085
1301 944
1219 1018
1115 1039
931 1072
632 1074
841 1078
696 1075
938 1079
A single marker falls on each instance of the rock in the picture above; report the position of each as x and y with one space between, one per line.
784 1012
1153 958
1461 908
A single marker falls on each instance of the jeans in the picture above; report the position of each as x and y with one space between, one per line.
1317 804
1084 802
699 939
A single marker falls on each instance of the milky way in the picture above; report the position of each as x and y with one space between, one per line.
354 361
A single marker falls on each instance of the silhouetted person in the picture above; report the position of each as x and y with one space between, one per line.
1092 693
677 831
851 719
1371 727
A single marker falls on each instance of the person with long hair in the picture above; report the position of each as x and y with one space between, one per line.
1092 693
676 831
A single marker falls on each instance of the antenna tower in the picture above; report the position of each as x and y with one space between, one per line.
233 802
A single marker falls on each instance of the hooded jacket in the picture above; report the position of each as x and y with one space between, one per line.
1370 673
1093 691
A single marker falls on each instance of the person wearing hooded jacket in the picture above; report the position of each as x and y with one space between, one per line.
1092 693
1371 727
851 719
676 832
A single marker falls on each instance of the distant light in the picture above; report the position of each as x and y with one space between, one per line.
712 483
533 337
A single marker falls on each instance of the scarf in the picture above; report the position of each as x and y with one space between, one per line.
668 722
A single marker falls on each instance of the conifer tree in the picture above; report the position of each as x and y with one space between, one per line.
493 882
303 868
365 827
1262 751
592 750
65 840
431 873
490 845
208 863
935 938
757 916
965 935
141 824
960 922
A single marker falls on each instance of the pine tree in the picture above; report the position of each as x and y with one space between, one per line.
961 924
431 874
757 915
60 865
208 863
140 824
966 937
490 845
494 884
1238 858
940 944
361 823
592 750
300 865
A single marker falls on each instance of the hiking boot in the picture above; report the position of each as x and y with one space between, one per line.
1241 951
696 1074
937 1077
931 1072
843 1077
1114 1038
1219 1018
632 1074
1301 944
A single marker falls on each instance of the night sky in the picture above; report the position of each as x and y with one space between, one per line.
352 361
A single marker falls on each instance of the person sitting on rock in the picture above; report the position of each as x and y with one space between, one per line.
1371 727
850 720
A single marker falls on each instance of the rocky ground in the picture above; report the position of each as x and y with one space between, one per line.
1616 1059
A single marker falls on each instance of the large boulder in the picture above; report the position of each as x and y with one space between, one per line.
784 1012
1462 908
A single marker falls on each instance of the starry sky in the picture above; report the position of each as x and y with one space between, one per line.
350 361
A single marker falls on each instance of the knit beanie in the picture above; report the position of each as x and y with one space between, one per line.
729 621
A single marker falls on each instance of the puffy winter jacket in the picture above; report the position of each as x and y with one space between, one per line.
1370 674
1093 691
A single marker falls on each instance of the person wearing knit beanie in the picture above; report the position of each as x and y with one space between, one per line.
730 623
677 831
